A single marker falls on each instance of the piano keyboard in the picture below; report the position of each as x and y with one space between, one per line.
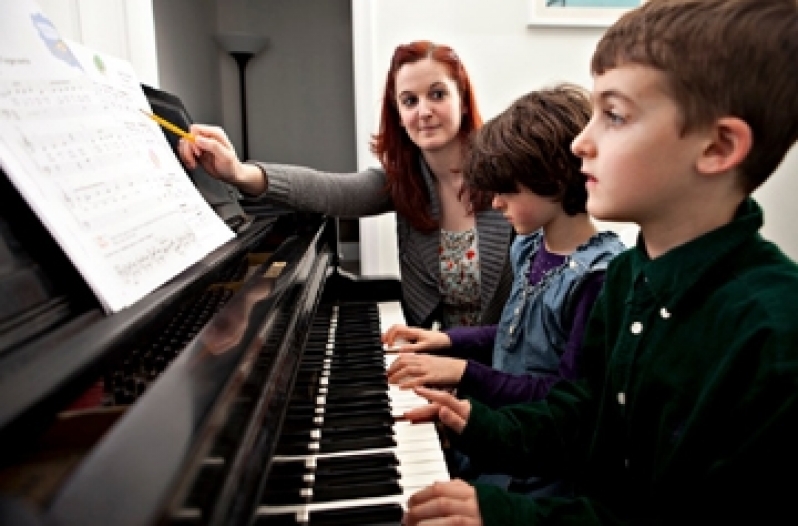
343 458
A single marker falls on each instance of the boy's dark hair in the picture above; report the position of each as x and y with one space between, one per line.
721 58
529 144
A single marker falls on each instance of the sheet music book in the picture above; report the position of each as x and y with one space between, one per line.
99 173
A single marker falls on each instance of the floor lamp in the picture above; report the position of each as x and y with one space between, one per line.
242 47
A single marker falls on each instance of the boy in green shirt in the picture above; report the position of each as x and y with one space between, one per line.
689 409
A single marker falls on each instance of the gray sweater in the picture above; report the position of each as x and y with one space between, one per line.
361 194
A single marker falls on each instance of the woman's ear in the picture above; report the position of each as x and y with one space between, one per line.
729 144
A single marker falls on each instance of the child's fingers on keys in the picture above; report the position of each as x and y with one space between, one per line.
452 419
436 395
426 413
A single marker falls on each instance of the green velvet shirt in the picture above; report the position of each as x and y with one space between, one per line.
689 411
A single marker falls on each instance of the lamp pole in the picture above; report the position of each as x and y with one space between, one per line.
241 58
242 47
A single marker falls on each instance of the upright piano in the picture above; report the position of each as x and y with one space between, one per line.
249 389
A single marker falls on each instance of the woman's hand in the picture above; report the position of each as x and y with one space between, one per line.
451 502
215 153
212 150
411 370
402 338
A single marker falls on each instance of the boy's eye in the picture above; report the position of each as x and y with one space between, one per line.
613 117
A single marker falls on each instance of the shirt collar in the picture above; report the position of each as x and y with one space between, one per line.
672 275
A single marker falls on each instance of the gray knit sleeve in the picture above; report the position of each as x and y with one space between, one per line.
345 195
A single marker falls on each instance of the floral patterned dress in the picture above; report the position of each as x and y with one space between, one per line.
459 284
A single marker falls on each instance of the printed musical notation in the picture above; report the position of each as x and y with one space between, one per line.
99 173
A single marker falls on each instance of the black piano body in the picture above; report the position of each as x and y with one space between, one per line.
110 419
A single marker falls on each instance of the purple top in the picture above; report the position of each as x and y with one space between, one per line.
496 388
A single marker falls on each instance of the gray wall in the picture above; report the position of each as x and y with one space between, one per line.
300 89
301 106
188 56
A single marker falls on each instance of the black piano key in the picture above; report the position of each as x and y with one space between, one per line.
301 478
355 407
322 468
356 491
351 461
343 419
335 431
382 515
357 475
371 391
284 496
334 445
342 363
287 469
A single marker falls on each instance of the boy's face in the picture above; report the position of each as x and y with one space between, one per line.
526 210
637 163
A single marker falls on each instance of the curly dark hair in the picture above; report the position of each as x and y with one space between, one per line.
529 144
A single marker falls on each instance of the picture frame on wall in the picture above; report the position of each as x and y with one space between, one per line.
577 13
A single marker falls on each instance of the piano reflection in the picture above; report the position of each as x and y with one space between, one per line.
249 389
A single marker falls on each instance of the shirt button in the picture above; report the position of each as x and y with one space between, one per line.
636 327
512 329
622 398
573 264
665 313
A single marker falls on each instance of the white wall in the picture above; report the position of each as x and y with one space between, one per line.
505 59
122 28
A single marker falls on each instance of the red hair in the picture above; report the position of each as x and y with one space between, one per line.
398 154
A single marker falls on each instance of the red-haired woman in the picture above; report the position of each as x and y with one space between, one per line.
453 248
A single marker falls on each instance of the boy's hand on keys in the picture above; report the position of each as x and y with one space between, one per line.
452 502
451 411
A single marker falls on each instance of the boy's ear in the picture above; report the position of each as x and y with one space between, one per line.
730 141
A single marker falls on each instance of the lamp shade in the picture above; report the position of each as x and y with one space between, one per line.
241 42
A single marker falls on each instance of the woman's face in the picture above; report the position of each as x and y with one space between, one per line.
429 103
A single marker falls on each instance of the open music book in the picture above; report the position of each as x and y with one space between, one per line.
99 173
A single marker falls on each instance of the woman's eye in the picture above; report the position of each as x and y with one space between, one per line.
408 102
437 94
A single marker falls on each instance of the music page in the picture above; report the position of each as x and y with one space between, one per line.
99 173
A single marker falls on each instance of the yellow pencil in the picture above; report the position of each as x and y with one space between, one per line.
169 126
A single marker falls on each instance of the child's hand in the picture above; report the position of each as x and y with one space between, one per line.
452 412
425 413
411 370
452 502
402 338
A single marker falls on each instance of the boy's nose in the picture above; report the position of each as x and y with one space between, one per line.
581 145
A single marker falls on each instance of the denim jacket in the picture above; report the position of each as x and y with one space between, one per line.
535 323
